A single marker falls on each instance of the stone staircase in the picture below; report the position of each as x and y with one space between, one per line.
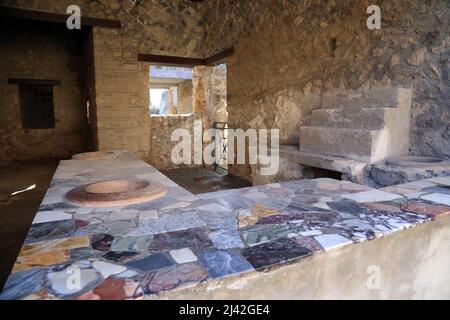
368 128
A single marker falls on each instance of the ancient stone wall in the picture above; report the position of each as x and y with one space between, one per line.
184 100
119 105
34 51
227 21
173 27
161 128
287 55
299 50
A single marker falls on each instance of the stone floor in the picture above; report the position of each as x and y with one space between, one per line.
204 180
17 212
183 239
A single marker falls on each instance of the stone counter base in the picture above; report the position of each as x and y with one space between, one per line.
319 238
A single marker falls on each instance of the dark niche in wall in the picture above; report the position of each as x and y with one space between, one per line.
36 102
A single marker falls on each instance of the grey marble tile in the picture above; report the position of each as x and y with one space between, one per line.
439 189
50 230
48 216
115 228
184 255
437 198
219 220
22 284
220 263
152 262
167 224
191 238
231 203
257 234
133 244
59 281
226 239
372 196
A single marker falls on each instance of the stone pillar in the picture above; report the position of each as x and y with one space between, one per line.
121 91
172 100
202 94
219 94
210 94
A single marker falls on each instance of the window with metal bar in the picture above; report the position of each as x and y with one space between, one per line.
37 108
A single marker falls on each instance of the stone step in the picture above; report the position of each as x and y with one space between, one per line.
356 144
371 98
365 118
346 103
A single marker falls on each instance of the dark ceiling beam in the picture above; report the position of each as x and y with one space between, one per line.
219 57
184 61
170 60
44 16
34 82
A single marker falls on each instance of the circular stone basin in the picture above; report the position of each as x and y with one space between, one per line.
116 186
116 192
412 161
96 155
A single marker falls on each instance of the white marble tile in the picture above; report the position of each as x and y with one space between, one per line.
292 235
187 198
47 216
107 269
177 206
372 196
445 181
220 194
184 255
244 213
322 205
51 198
438 198
148 215
130 214
127 274
401 189
414 195
332 241
419 184
214 207
353 187
85 210
255 195
311 233
58 280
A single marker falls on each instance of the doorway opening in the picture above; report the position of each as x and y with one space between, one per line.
170 90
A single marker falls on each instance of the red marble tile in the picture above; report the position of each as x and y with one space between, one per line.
309 243
170 278
80 224
422 207
111 289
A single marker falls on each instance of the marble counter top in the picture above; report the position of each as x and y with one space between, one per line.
182 239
